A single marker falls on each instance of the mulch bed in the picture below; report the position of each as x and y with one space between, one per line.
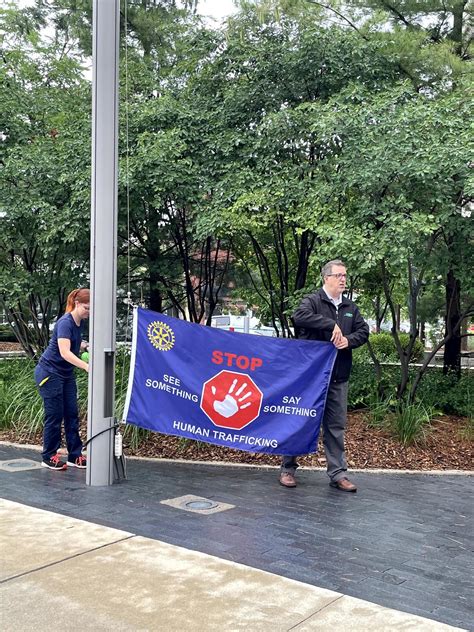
446 447
10 346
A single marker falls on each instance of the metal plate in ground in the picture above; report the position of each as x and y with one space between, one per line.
19 465
197 504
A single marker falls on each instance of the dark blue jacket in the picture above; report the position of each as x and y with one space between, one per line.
315 318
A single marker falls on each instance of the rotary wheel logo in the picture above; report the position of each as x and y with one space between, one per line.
160 335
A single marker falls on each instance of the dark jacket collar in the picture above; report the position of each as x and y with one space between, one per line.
324 297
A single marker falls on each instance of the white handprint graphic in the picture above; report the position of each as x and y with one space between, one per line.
232 402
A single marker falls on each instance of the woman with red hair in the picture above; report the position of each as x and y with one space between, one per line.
54 376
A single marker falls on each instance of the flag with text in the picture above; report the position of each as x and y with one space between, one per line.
242 391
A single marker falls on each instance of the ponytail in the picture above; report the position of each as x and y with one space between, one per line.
81 295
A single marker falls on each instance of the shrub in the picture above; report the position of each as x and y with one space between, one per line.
21 406
447 393
6 334
362 385
442 392
364 388
383 346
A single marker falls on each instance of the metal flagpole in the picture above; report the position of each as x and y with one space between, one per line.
106 28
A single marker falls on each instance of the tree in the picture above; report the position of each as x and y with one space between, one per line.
44 187
399 167
267 162
430 41
157 186
165 170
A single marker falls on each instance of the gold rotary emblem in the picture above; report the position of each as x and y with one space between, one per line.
160 335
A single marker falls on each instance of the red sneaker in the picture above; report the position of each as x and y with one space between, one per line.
80 462
54 463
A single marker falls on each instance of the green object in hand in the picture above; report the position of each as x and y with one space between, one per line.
85 356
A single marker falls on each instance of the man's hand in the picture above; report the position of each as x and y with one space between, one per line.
342 344
336 335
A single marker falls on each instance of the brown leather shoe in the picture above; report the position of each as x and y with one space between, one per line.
344 485
287 479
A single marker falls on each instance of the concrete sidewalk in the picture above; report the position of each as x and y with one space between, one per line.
63 573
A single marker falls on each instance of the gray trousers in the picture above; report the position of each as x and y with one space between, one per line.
333 425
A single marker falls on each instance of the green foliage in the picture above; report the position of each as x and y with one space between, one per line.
134 436
362 385
6 334
21 407
429 40
9 372
383 346
410 422
169 167
378 411
287 139
467 431
122 366
443 393
448 393
44 180
20 401
272 190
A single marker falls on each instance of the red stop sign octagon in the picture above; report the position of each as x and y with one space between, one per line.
231 400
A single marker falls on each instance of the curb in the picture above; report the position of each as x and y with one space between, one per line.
37 448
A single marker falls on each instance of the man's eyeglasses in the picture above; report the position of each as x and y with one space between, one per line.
338 275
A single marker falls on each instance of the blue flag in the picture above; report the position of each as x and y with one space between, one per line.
237 390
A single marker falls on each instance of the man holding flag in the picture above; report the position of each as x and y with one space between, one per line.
327 315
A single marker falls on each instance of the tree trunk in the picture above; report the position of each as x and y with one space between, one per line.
422 329
464 337
378 314
396 324
458 21
452 348
305 249
156 298
395 313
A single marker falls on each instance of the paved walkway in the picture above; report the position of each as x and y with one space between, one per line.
118 558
